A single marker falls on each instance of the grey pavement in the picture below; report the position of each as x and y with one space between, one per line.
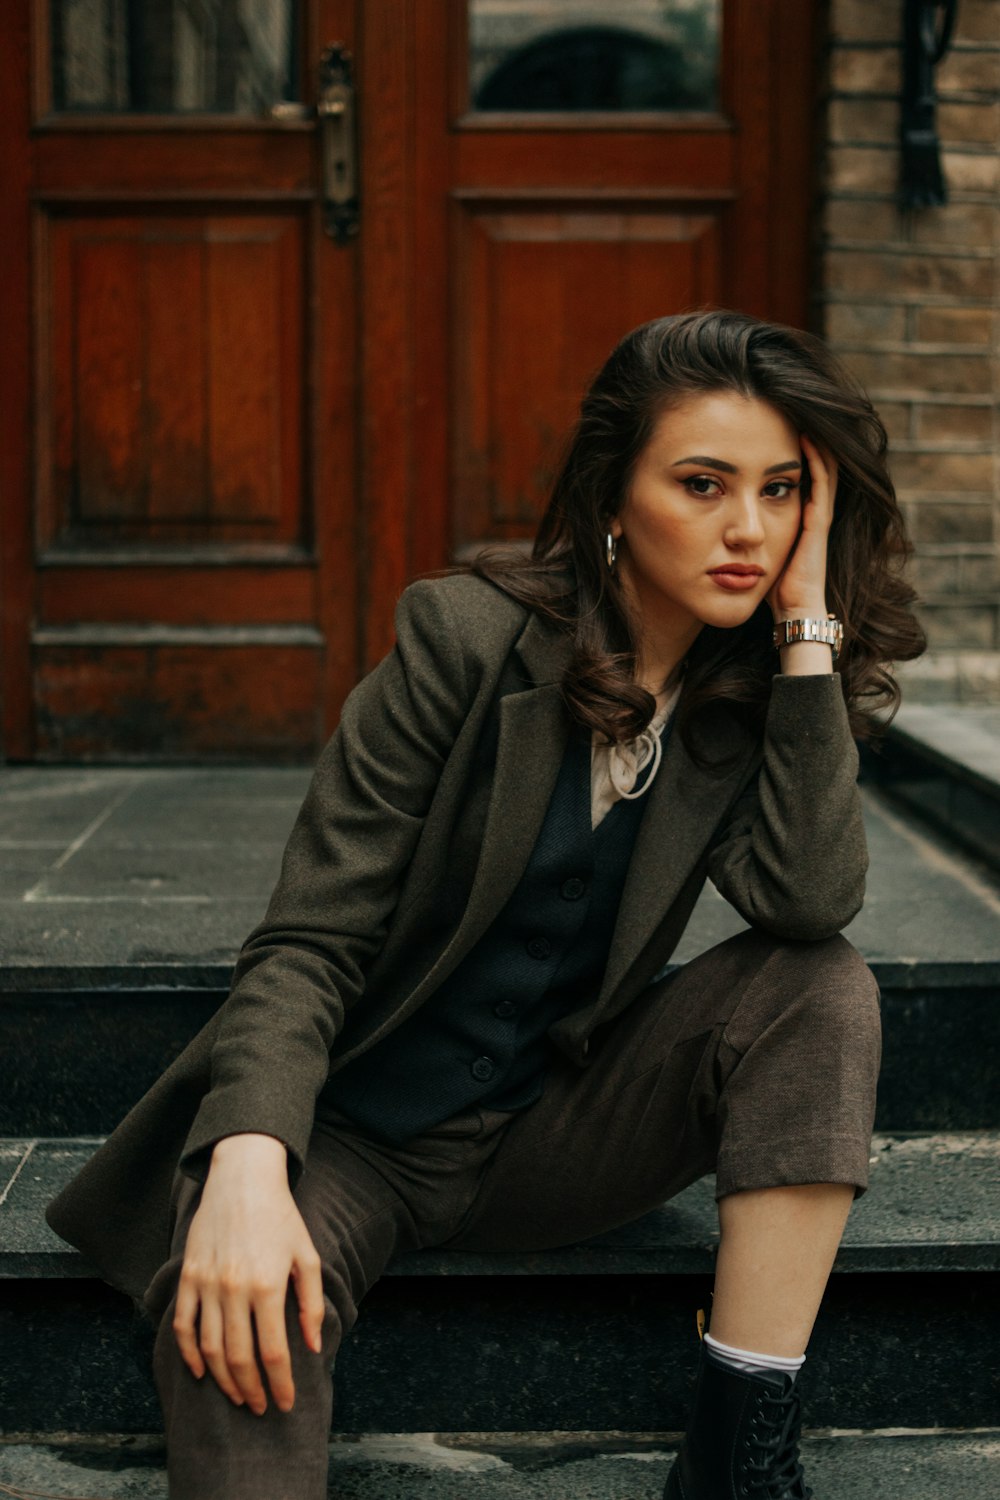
149 875
155 876
969 737
526 1466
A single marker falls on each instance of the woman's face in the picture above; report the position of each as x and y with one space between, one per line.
716 488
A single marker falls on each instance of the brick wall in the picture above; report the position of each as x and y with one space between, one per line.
910 301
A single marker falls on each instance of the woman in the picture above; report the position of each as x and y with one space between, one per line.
450 1029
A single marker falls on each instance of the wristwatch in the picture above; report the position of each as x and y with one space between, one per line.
829 631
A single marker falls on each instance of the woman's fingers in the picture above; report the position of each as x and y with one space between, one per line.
225 1339
240 1355
212 1342
272 1337
224 1343
823 476
185 1313
801 585
308 1276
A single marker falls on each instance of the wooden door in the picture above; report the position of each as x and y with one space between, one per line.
179 481
227 441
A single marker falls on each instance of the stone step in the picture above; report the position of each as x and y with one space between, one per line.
902 1349
598 1335
128 881
932 1206
943 763
100 988
931 1465
76 1061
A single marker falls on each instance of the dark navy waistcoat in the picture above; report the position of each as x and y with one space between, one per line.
481 1039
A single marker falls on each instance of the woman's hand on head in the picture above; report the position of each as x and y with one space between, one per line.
801 586
246 1240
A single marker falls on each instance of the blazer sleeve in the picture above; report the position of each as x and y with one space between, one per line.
792 856
302 968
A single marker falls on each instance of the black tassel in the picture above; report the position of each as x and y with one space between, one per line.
921 181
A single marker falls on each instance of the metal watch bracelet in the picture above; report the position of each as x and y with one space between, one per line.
829 632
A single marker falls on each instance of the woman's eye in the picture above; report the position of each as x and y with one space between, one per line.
780 489
702 484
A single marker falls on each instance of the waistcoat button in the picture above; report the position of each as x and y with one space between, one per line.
573 888
539 947
483 1069
505 1008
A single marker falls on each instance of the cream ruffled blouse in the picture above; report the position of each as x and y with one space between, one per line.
616 769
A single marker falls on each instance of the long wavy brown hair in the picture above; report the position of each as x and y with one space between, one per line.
566 577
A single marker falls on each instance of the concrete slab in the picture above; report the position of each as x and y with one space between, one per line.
12 1156
931 914
932 1206
968 738
189 873
43 805
23 866
147 942
143 876
931 1465
146 877
943 764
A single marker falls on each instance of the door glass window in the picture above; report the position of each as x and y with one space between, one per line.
560 55
173 56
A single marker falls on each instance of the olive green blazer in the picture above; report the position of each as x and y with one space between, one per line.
420 818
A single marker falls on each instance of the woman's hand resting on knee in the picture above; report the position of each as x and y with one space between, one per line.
246 1239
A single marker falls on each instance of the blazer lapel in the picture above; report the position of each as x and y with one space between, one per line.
685 804
533 733
534 729
533 737
532 740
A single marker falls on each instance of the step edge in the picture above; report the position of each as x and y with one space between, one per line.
34 982
922 741
974 1256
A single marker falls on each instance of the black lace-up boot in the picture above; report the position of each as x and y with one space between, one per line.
742 1439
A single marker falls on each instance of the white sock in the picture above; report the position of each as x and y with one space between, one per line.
753 1364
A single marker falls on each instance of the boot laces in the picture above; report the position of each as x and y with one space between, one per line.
772 1470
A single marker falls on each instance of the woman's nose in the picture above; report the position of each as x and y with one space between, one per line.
745 524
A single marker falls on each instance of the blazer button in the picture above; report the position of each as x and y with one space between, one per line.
483 1069
505 1009
539 947
573 888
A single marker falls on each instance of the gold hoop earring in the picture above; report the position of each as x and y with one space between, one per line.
610 551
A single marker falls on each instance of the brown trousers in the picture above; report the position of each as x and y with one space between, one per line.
757 1060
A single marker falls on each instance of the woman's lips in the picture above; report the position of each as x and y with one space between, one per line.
736 581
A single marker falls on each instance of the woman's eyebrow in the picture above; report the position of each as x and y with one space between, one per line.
719 463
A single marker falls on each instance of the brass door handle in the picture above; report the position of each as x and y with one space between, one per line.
337 115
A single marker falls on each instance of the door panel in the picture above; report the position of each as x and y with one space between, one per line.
173 694
201 594
542 293
177 379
